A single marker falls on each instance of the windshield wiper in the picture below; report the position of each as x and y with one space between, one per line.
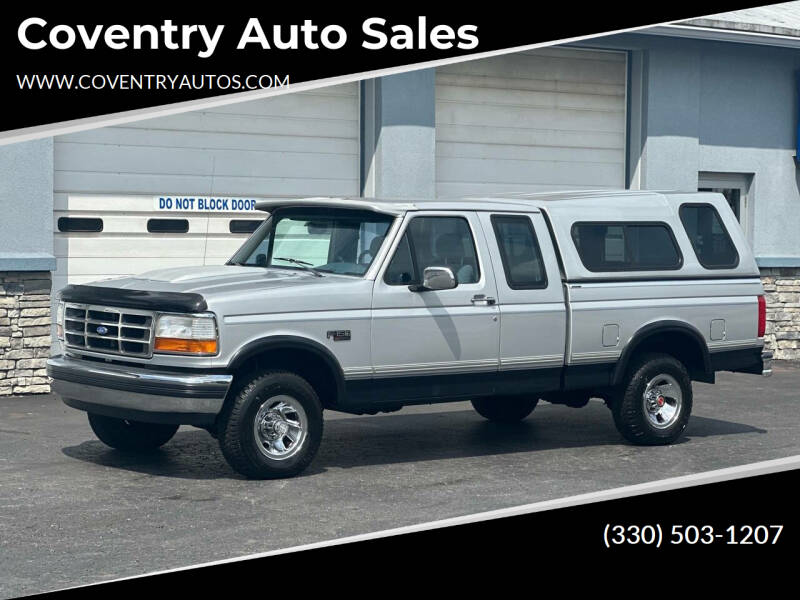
303 264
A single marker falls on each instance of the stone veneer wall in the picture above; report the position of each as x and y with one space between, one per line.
782 289
24 332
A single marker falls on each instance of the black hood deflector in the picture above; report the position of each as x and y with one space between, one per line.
142 299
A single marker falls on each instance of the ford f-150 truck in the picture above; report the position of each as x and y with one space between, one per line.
364 306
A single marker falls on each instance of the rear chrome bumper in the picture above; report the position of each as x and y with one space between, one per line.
766 361
138 394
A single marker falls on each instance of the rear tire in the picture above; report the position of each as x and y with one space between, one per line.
504 409
273 427
655 402
133 436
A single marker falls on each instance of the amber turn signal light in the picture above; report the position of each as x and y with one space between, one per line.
186 346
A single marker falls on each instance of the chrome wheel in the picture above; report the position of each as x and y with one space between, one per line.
280 427
662 401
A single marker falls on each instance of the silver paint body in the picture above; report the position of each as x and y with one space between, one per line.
581 317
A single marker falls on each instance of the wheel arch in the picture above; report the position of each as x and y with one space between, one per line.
671 337
303 356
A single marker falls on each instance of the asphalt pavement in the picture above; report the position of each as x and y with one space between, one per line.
73 511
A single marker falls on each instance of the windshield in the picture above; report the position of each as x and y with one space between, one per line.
324 240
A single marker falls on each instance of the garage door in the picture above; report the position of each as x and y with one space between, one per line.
541 120
108 220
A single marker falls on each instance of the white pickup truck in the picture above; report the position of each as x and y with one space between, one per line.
364 306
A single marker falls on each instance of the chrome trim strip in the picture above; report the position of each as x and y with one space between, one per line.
531 362
734 345
594 357
462 366
357 372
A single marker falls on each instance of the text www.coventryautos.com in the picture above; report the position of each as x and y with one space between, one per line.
150 81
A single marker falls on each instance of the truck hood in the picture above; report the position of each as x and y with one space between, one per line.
219 279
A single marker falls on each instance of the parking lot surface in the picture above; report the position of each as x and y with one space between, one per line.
74 511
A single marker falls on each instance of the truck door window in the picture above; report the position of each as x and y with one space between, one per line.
434 242
519 252
710 239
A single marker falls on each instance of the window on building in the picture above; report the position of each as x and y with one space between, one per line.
80 224
710 239
167 225
736 188
622 246
519 251
434 242
243 225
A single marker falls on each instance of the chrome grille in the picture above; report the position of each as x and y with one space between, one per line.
108 330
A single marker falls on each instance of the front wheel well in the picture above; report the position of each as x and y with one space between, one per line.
684 346
306 363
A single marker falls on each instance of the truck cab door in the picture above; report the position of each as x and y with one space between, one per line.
533 318
435 344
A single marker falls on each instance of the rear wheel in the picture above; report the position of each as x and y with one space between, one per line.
655 403
273 427
504 409
131 435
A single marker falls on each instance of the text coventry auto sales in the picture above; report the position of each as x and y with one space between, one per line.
36 33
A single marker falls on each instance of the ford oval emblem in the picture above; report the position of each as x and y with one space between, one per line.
102 330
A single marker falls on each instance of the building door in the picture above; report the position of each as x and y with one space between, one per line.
546 119
736 189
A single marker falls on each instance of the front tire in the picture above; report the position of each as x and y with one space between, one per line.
502 409
133 436
273 427
655 402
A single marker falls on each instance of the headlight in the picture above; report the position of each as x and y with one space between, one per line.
60 321
176 334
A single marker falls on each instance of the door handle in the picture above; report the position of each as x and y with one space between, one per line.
483 300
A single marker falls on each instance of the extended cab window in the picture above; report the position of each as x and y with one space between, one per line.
622 246
519 251
339 241
710 239
434 242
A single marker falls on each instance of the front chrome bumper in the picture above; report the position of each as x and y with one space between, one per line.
137 393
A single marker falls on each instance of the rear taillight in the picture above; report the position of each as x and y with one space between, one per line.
762 316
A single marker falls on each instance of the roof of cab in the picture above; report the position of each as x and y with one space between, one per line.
392 206
532 202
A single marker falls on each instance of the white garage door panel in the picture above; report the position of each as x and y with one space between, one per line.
516 138
548 119
534 91
528 172
185 161
552 153
306 136
222 140
552 65
298 144
83 245
219 186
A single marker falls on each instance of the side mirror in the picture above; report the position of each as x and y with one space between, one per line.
435 279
